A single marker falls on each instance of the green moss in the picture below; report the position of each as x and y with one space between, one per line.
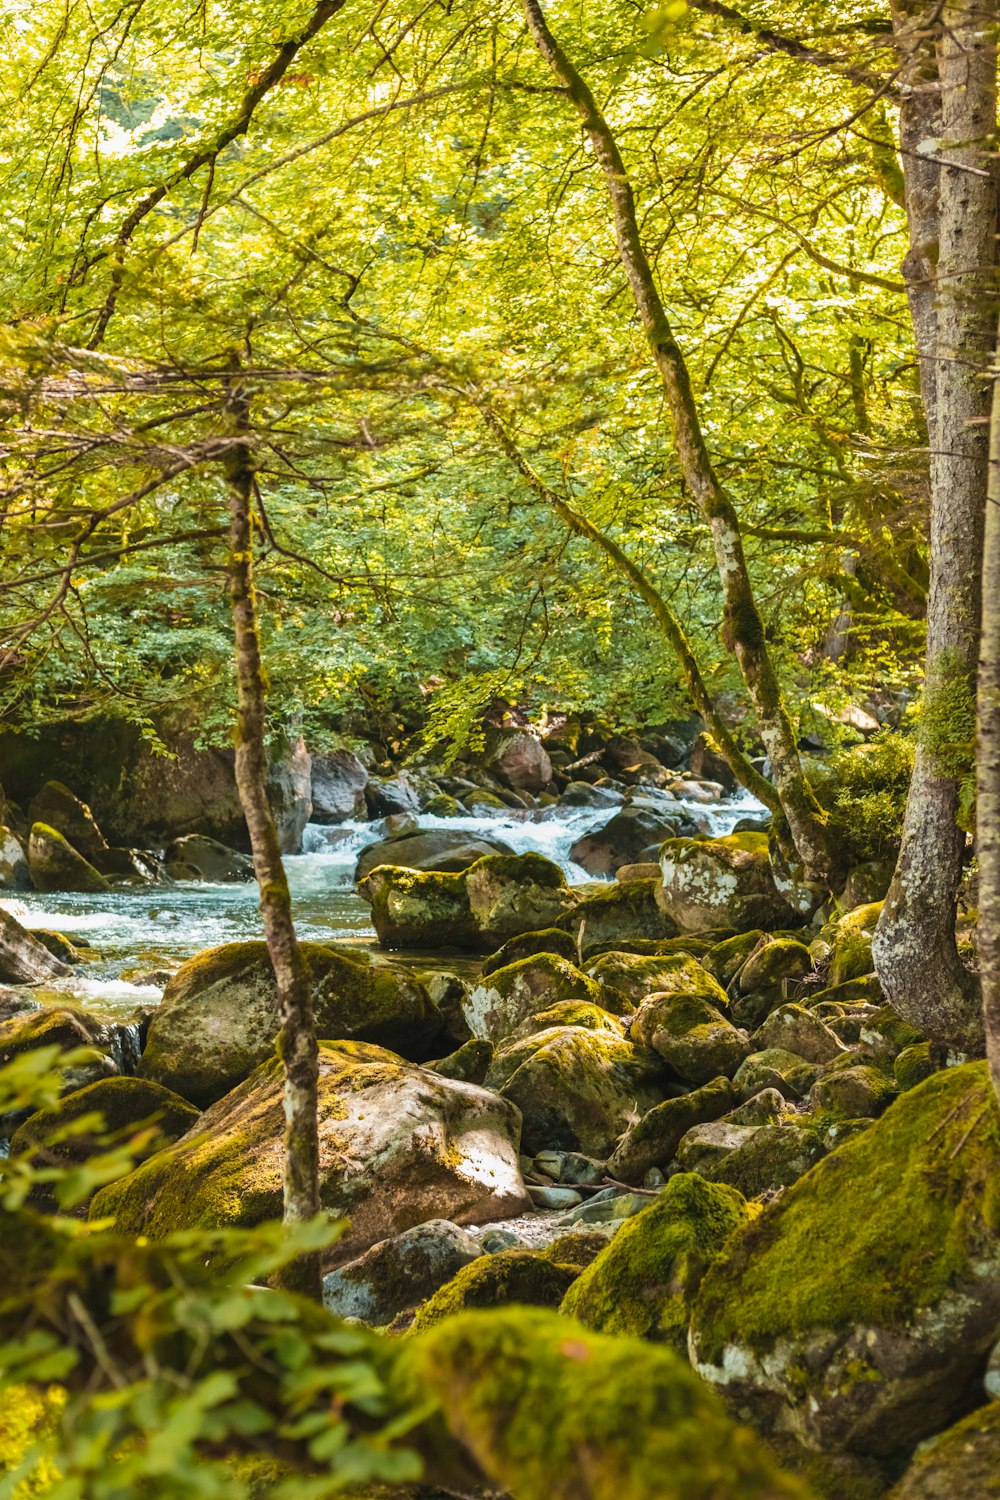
527 944
626 979
525 1277
572 1013
907 1204
551 1411
725 959
577 1249
123 1104
644 1282
913 1065
653 1140
850 938
834 1476
960 1464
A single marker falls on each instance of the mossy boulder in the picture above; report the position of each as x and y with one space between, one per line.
726 958
496 1007
858 1310
75 1129
23 959
913 1065
961 1464
850 942
549 1410
776 960
652 1141
571 1013
796 1029
527 944
721 883
770 1158
858 1092
399 1273
774 1068
60 809
692 1036
218 1018
621 913
577 1090
627 978
68 1031
398 1145
56 866
513 893
469 1063
645 1281
526 1277
14 872
427 849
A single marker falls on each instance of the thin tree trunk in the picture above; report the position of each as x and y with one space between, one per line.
748 777
297 1039
988 749
915 952
743 629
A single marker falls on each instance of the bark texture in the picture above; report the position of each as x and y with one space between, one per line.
297 1038
988 750
743 629
915 952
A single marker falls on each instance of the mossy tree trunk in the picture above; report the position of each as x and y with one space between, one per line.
988 748
743 628
915 951
746 774
297 1040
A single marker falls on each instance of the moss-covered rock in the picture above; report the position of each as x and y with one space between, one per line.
621 913
645 1281
527 944
770 1158
798 1030
496 1007
60 809
571 1013
23 959
121 1107
513 893
469 1063
551 1411
913 1065
577 1090
56 866
853 1093
962 1464
778 959
627 978
850 941
691 1035
399 1273
56 943
218 1018
68 1030
834 1476
721 883
726 958
774 1068
526 1277
873 1344
653 1140
398 1145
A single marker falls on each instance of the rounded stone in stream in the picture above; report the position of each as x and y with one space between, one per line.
398 1273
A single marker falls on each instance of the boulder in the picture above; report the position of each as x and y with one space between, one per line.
621 913
774 1068
197 857
427 849
289 791
398 1145
14 872
397 794
23 959
521 762
570 1013
547 1410
628 978
577 1089
644 1282
709 765
469 1063
218 1018
68 1031
56 866
652 1141
527 944
624 839
123 1105
769 1158
876 1343
582 794
851 1093
774 961
496 1007
960 1464
57 807
338 787
725 959
850 942
797 1030
692 1036
721 883
527 1277
399 1273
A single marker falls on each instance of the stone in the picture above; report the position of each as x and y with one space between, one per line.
624 839
774 961
196 857
960 1464
496 1007
721 883
797 1030
582 794
548 1410
527 944
577 1089
725 959
57 943
621 913
57 807
626 979
858 1310
707 763
570 1166
850 940
760 1109
521 762
397 794
852 1093
867 883
396 1274
398 1145
428 849
289 791
515 893
913 1065
55 865
338 787
704 1147
485 804
553 1197
774 1068
525 1277
14 872
218 1018
644 870
653 1140
23 959
644 1282
570 1013
68 1031
692 1036
132 1104
469 1063
771 1158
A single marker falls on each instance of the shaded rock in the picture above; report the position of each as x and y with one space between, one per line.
760 1109
443 806
962 1464
395 795
867 883
496 1007
619 914
645 870
631 977
582 794
195 857
797 1030
644 1282
289 791
338 787
624 839
399 1273
67 1030
23 958
707 763
772 1157
122 1103
57 943
57 807
14 872
514 893
398 1145
704 1147
913 1065
469 1063
577 1089
691 1035
721 883
774 1068
55 865
653 1140
850 940
570 1013
877 1345
548 1410
525 1277
521 762
725 959
526 944
853 1092
570 1166
781 958
427 849
218 1018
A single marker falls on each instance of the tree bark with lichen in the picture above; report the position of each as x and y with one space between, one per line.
297 1038
988 748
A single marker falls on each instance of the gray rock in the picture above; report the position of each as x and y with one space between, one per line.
14 873
397 1274
521 762
195 857
23 959
427 849
394 795
338 787
553 1197
624 839
795 1029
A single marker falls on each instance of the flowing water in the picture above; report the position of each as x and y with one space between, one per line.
134 931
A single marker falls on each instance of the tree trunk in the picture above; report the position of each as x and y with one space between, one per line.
297 1039
988 749
915 953
743 629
